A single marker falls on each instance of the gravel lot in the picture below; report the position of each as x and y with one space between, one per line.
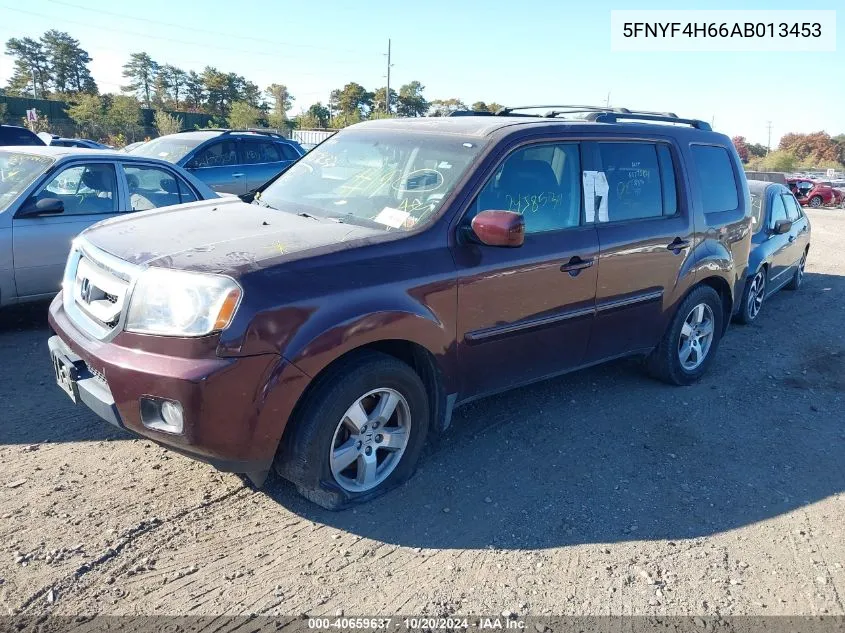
602 492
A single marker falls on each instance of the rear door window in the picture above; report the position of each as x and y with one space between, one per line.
716 178
153 187
288 152
257 152
634 177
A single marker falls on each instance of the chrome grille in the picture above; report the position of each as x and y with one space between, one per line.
96 290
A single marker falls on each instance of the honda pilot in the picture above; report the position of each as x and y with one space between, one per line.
327 326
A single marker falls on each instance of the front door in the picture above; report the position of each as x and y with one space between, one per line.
645 233
781 246
41 244
526 313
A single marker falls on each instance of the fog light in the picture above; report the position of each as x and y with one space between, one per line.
162 415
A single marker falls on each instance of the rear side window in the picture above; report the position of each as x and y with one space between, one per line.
13 135
288 152
256 152
634 177
716 176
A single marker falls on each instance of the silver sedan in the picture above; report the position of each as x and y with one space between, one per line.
49 194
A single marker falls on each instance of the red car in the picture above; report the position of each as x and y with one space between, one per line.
814 193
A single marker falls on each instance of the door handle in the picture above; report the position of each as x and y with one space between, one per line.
791 238
237 175
576 265
677 244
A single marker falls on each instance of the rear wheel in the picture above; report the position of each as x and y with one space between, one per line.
752 298
358 434
798 278
816 202
691 340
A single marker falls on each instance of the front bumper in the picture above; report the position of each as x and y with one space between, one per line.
235 409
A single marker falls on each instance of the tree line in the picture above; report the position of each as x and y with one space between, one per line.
794 152
55 66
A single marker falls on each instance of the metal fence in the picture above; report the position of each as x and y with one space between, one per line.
312 137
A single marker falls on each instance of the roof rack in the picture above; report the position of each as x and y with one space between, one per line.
225 131
603 114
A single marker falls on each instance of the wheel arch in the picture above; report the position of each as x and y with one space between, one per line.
723 289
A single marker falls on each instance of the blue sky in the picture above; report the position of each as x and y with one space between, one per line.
508 52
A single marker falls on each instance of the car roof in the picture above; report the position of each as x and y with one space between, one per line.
760 186
484 126
204 135
58 152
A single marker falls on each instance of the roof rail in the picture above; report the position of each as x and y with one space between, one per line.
604 114
224 131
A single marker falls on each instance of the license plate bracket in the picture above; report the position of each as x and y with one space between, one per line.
66 375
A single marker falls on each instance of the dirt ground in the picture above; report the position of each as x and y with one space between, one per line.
598 493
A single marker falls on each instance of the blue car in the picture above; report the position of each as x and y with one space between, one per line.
779 246
228 161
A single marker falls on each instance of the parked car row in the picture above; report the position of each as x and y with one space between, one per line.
815 193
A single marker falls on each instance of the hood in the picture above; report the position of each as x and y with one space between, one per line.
224 236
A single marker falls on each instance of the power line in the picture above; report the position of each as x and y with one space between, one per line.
183 27
274 55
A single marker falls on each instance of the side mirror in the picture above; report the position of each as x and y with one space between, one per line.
45 206
782 226
499 228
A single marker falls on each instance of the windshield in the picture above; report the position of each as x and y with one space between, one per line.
386 179
17 172
169 148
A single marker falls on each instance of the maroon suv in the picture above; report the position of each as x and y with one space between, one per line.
401 268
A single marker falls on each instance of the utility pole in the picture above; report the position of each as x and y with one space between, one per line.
387 96
34 85
607 101
769 143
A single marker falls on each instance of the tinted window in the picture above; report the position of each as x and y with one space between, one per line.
793 210
756 211
12 135
152 187
633 177
219 154
84 189
667 179
543 183
255 152
778 210
288 152
716 178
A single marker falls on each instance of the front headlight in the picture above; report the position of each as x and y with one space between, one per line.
178 303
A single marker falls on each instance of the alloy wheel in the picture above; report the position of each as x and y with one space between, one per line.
756 294
803 263
370 439
696 337
815 202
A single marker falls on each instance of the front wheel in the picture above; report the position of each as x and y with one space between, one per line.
359 432
752 298
691 340
816 202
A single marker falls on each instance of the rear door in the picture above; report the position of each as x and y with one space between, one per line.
262 159
645 233
90 191
799 236
218 165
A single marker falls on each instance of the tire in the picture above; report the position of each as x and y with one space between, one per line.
753 297
815 202
664 363
322 435
798 277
